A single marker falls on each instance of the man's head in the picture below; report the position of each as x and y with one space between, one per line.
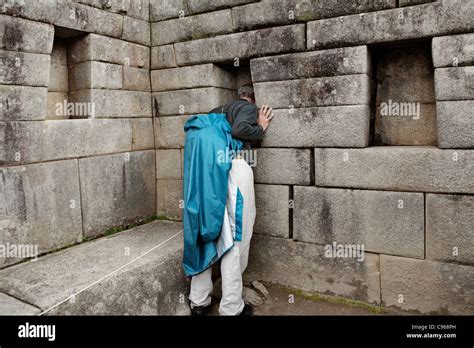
247 93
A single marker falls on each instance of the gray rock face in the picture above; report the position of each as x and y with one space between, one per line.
454 50
135 30
261 288
168 164
169 132
426 286
22 103
272 202
283 166
95 75
396 168
163 57
304 266
384 222
170 198
449 221
43 209
11 306
136 272
28 69
127 191
454 83
251 297
332 126
455 126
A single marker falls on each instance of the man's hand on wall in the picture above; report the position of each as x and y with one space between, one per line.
265 115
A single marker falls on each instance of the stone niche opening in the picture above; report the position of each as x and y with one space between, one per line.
404 104
240 71
59 106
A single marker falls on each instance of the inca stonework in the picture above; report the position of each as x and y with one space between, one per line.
371 144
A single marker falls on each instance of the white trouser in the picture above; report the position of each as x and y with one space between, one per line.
234 262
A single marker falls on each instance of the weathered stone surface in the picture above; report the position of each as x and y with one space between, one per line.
79 17
22 103
426 286
384 222
163 57
405 23
191 28
29 69
135 30
197 6
452 51
418 89
59 52
412 128
261 288
278 12
251 297
169 198
454 83
106 49
169 132
304 266
283 166
166 9
206 75
58 78
339 61
397 168
84 138
142 134
168 164
43 208
89 75
455 124
241 45
133 8
332 126
11 306
54 110
192 101
150 285
127 191
135 79
321 91
402 3
115 103
22 35
449 221
272 202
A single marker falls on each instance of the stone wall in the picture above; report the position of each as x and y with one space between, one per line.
334 166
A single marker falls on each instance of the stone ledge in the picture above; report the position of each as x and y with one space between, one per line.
150 285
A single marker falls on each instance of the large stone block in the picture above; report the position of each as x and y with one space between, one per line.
90 75
42 208
241 45
449 221
405 23
192 101
135 272
134 8
166 9
114 103
29 69
168 164
419 89
135 79
58 78
283 166
55 103
278 12
66 14
455 124
11 306
322 91
22 103
304 266
426 286
22 35
59 52
142 134
452 51
273 214
191 28
169 132
163 57
127 192
28 142
106 49
339 61
206 75
198 6
396 168
384 222
169 198
332 126
135 30
454 83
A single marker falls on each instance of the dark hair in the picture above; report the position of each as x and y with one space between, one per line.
246 91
